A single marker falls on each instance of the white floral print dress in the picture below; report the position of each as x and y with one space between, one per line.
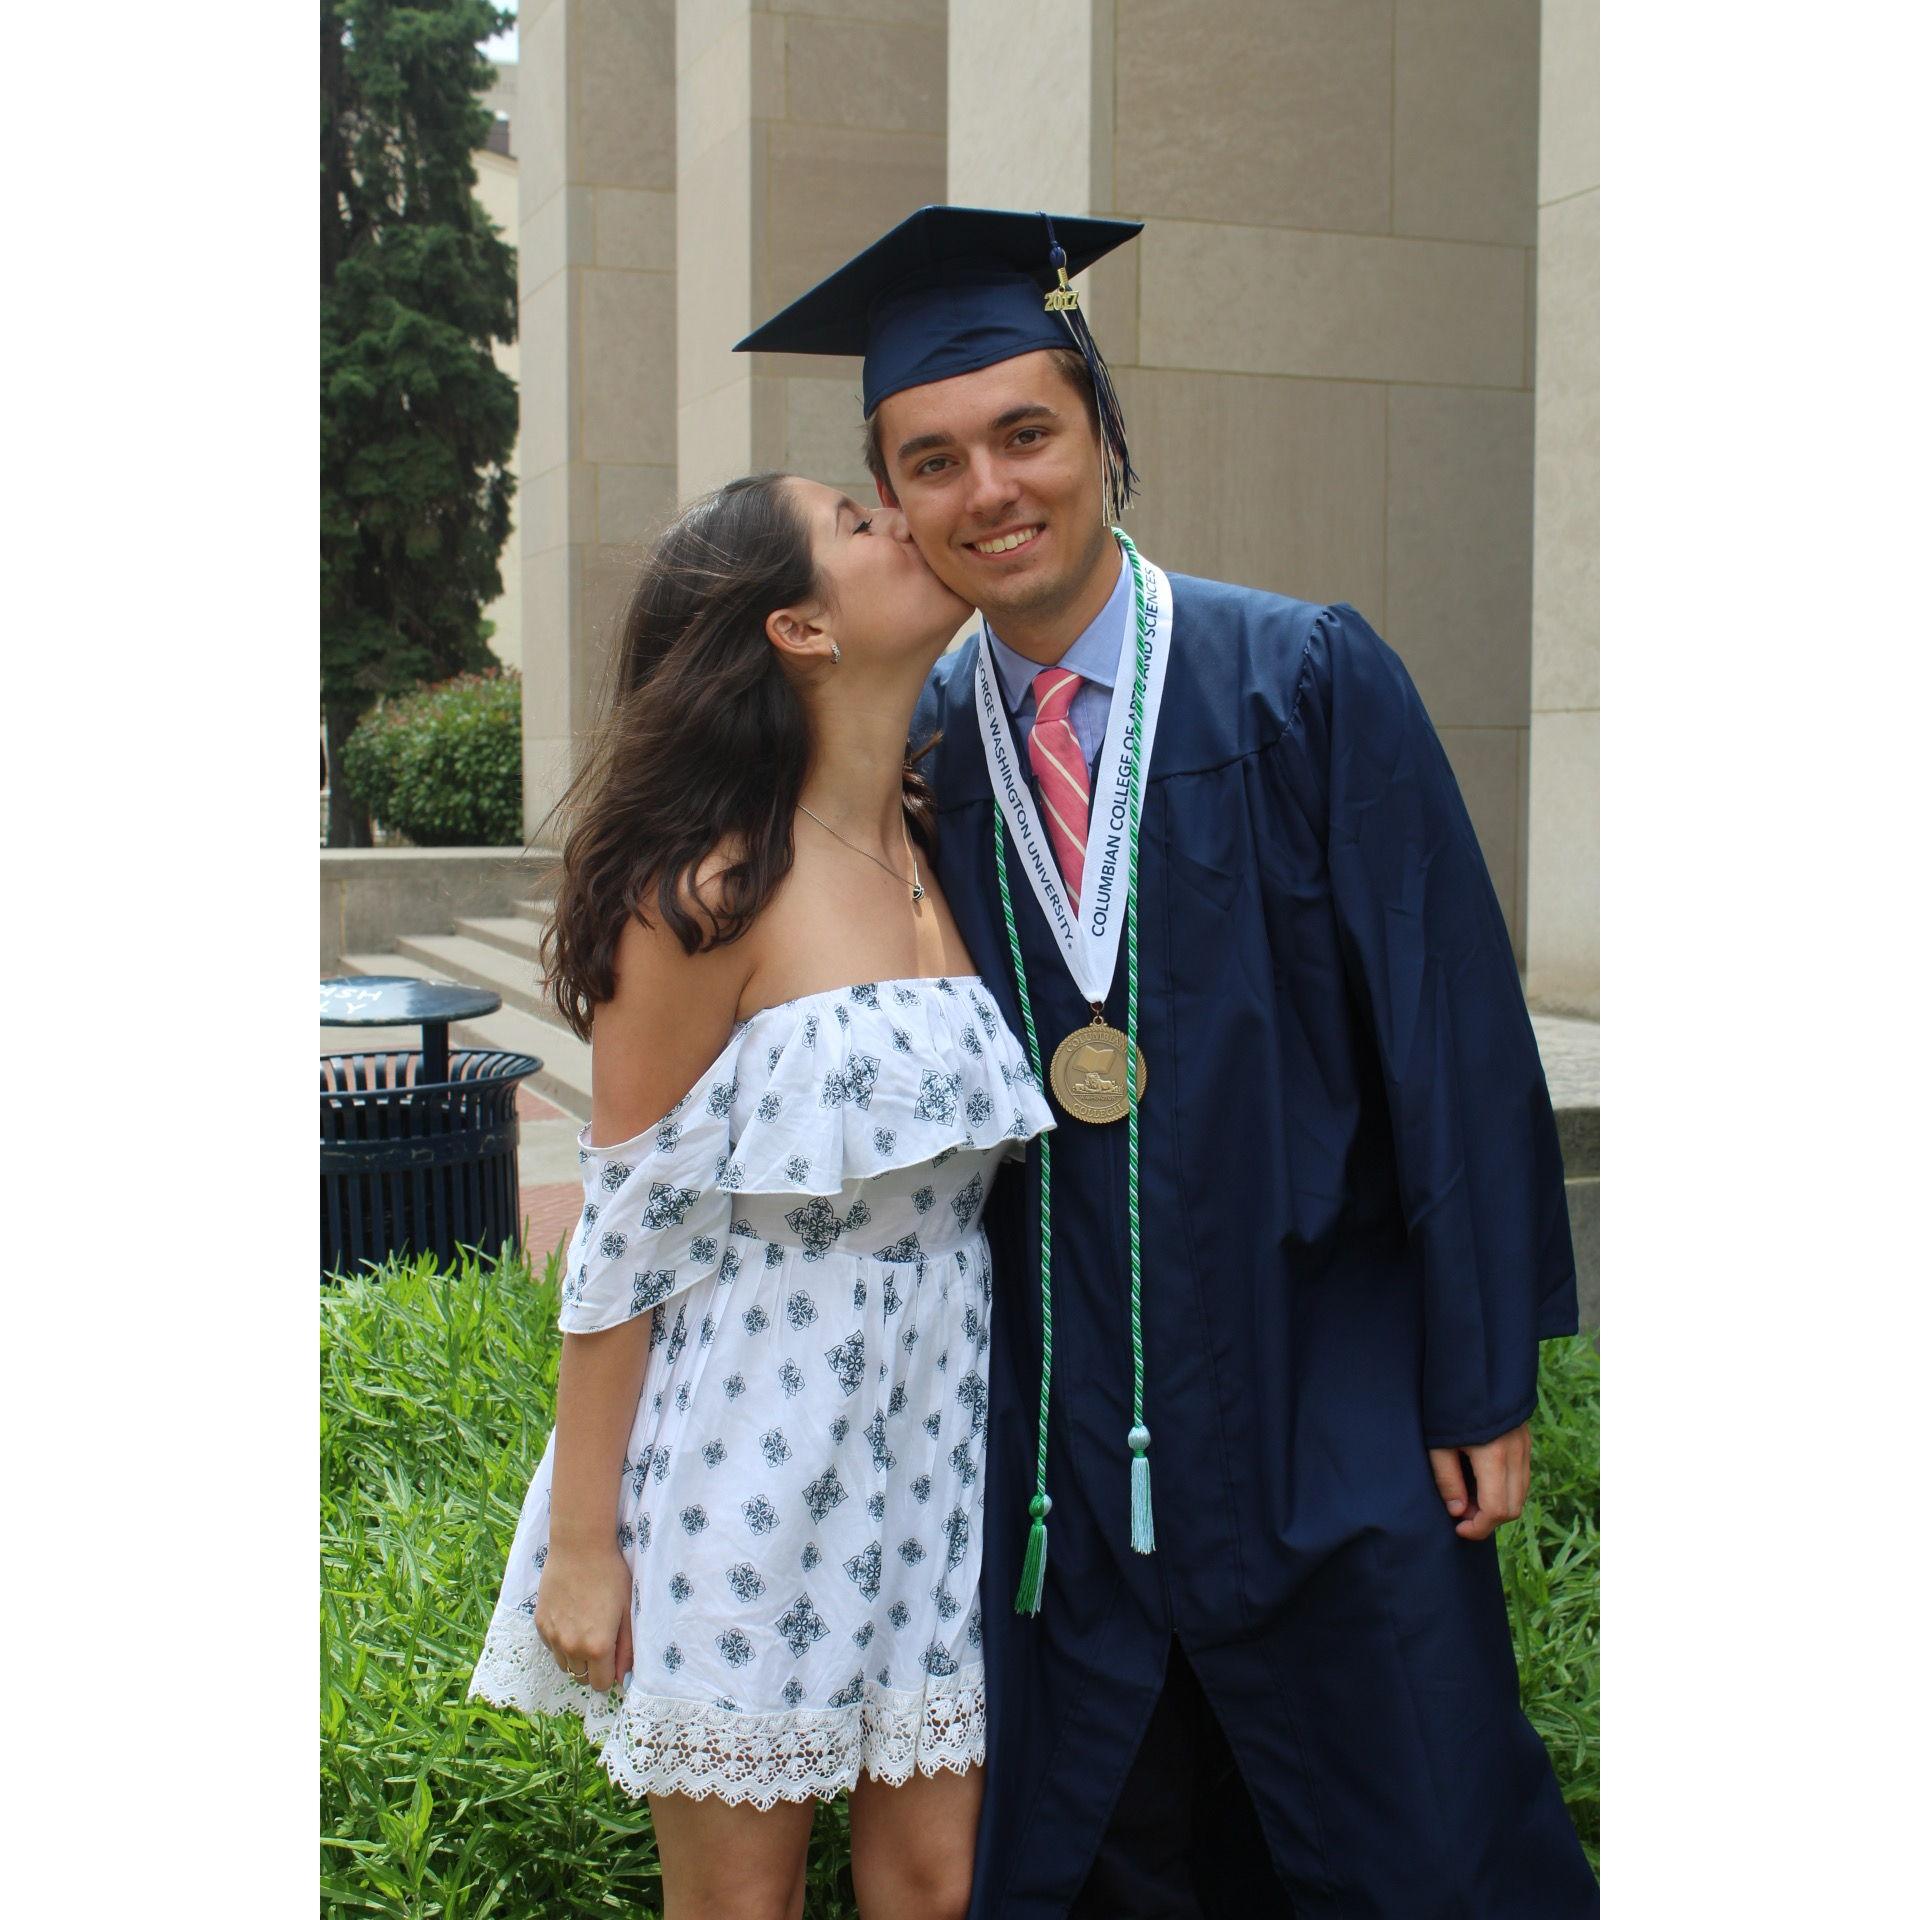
801 1497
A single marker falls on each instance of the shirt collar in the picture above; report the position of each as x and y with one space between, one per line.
1095 656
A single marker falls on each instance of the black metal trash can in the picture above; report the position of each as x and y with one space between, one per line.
410 1166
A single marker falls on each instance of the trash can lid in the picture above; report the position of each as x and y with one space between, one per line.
399 1000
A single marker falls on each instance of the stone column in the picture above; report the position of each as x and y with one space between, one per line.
595 142
806 129
1322 337
1563 893
1034 130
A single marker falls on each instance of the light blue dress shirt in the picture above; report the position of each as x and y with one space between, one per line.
1095 656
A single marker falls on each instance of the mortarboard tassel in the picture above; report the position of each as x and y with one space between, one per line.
1119 482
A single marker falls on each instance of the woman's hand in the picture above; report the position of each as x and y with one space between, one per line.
585 1612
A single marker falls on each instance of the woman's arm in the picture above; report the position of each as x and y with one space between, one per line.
669 1019
583 1613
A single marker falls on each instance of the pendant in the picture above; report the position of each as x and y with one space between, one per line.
919 893
1089 1072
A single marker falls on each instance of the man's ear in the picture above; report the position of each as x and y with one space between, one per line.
888 498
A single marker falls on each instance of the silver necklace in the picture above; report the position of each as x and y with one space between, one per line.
919 892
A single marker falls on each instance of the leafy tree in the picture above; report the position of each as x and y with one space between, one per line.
416 421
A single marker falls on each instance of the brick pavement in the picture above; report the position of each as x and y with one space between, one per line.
550 1213
549 1207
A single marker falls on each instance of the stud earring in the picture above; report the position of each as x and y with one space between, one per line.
835 645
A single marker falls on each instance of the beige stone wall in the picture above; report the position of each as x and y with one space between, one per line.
1323 336
596 145
1030 108
806 129
1563 892
497 188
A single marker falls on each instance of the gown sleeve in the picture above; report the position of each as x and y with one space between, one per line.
1476 1146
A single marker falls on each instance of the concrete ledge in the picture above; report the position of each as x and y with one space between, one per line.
1583 1214
370 897
1570 1053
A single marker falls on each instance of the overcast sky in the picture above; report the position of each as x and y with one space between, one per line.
504 46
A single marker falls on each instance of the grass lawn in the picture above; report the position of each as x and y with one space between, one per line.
436 1397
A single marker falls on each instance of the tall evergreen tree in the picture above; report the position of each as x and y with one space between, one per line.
416 421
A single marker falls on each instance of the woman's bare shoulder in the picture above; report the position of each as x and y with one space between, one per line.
672 1012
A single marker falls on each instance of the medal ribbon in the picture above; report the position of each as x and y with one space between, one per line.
1089 941
1143 684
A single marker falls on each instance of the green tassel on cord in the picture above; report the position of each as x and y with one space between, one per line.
1033 1573
1142 1492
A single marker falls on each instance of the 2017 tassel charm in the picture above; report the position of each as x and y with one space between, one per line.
1142 1488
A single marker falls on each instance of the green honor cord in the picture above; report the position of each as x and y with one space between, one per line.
1033 1571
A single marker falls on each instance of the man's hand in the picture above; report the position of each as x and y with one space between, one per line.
1491 1486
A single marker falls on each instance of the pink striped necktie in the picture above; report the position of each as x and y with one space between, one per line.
1060 772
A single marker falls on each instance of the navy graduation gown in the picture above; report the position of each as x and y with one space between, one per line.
1354 1235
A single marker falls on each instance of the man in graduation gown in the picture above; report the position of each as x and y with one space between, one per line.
1266 1581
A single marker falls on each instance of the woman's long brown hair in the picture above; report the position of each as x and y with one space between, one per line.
705 744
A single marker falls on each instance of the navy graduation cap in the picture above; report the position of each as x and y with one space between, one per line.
954 289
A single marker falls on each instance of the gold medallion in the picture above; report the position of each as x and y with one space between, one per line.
1089 1073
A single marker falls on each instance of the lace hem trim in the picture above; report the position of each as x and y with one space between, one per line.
649 1744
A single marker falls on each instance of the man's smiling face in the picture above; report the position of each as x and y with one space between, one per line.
998 473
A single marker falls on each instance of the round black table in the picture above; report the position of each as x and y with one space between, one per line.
399 1000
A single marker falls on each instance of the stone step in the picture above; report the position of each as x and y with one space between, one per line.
515 977
535 910
566 1078
511 933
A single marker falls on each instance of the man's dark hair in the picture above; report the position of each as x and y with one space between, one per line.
1073 369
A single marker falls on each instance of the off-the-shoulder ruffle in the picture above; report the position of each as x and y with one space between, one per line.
837 1081
807 1098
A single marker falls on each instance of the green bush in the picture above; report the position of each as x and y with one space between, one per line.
436 1396
442 766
